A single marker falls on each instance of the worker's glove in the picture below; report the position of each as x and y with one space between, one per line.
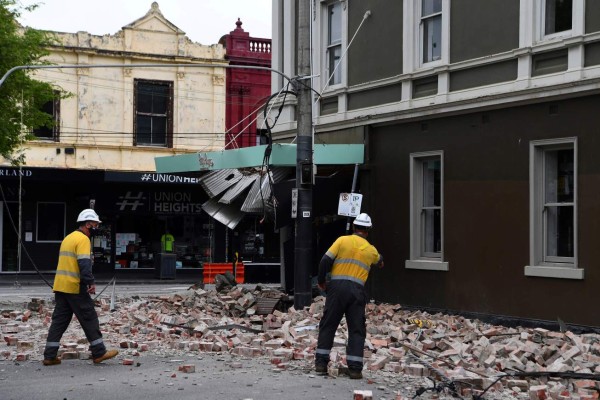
91 289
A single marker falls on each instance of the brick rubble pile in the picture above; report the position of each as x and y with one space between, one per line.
400 343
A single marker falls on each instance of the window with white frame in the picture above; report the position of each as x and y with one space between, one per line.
557 16
553 198
427 211
431 30
50 223
334 43
153 114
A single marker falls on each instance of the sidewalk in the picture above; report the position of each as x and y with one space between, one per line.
263 273
144 277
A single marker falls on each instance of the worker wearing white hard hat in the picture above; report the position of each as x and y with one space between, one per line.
350 259
73 285
363 220
88 215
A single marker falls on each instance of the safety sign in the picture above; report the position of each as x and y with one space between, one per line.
349 204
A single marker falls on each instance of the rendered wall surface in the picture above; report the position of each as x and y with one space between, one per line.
97 120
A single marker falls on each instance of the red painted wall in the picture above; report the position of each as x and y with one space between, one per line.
247 89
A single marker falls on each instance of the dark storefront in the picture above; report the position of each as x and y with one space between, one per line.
137 209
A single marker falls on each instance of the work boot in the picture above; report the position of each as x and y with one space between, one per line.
352 373
51 361
109 354
321 369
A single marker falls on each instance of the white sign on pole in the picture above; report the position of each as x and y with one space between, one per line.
294 203
349 204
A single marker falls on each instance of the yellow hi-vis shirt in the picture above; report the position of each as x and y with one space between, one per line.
76 246
352 257
167 242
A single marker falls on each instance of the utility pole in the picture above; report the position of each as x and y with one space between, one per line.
304 165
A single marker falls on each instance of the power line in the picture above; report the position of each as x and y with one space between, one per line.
214 96
77 66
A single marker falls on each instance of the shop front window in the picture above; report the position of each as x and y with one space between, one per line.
140 239
51 222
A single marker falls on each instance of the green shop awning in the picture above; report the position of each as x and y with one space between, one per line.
282 155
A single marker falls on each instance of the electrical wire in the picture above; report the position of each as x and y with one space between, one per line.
12 222
447 384
114 278
450 384
110 85
181 95
264 104
255 111
365 16
59 75
267 155
537 374
27 252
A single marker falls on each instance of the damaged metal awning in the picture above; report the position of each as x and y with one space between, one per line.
259 197
240 187
237 182
227 214
216 182
282 155
227 187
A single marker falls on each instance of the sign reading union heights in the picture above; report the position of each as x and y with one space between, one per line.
45 174
160 202
175 203
148 177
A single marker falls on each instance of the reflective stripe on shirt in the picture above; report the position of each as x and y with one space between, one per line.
352 257
73 255
352 261
67 273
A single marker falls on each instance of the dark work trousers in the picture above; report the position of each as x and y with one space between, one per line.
82 306
349 298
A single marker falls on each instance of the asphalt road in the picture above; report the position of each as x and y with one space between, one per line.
216 376
155 375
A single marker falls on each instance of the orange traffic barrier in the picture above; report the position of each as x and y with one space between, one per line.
212 269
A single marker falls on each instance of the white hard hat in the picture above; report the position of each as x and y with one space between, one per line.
88 215
363 220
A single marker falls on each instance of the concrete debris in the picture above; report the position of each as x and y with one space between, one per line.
463 354
363 395
224 282
187 368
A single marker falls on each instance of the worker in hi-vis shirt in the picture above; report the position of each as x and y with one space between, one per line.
73 285
350 260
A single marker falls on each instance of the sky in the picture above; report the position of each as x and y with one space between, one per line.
203 21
